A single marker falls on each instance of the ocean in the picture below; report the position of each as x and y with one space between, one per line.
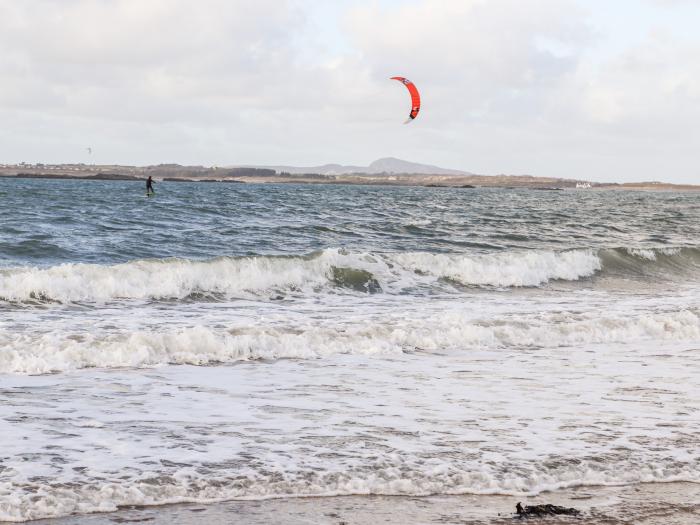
243 342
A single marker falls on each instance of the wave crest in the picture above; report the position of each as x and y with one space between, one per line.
510 269
333 270
260 276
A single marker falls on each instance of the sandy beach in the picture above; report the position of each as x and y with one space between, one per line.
646 504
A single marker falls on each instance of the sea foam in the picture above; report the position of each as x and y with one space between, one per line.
232 277
37 353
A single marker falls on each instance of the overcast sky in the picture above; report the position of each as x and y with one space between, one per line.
593 89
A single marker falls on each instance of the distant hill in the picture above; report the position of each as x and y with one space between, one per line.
386 171
388 165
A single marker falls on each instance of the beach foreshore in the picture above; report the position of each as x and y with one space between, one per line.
645 504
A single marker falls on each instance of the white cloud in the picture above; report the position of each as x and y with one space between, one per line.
508 86
141 60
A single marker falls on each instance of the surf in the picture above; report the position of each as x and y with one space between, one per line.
391 330
333 271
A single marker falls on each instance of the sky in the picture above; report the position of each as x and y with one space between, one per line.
589 89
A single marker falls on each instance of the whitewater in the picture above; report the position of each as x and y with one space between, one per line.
246 342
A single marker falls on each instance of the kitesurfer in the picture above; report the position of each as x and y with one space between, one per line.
149 185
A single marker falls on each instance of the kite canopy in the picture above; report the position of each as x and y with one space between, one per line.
415 97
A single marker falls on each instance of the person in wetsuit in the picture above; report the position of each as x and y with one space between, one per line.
149 185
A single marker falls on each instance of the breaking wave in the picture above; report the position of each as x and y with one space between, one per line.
329 270
58 351
396 476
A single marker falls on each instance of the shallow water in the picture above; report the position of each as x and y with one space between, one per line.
648 504
226 341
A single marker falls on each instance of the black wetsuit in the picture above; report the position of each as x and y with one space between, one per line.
149 185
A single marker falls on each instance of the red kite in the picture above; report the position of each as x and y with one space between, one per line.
415 97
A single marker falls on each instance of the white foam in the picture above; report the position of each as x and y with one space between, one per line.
479 422
529 268
513 398
258 276
160 279
395 480
651 254
61 350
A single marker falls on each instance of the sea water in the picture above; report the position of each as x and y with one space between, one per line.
224 341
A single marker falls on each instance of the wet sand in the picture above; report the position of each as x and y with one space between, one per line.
648 504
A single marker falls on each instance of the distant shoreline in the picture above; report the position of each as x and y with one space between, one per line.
267 176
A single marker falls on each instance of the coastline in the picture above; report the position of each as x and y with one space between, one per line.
264 176
644 504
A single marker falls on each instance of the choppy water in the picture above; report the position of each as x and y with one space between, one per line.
249 341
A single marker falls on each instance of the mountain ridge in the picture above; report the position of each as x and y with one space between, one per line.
384 165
